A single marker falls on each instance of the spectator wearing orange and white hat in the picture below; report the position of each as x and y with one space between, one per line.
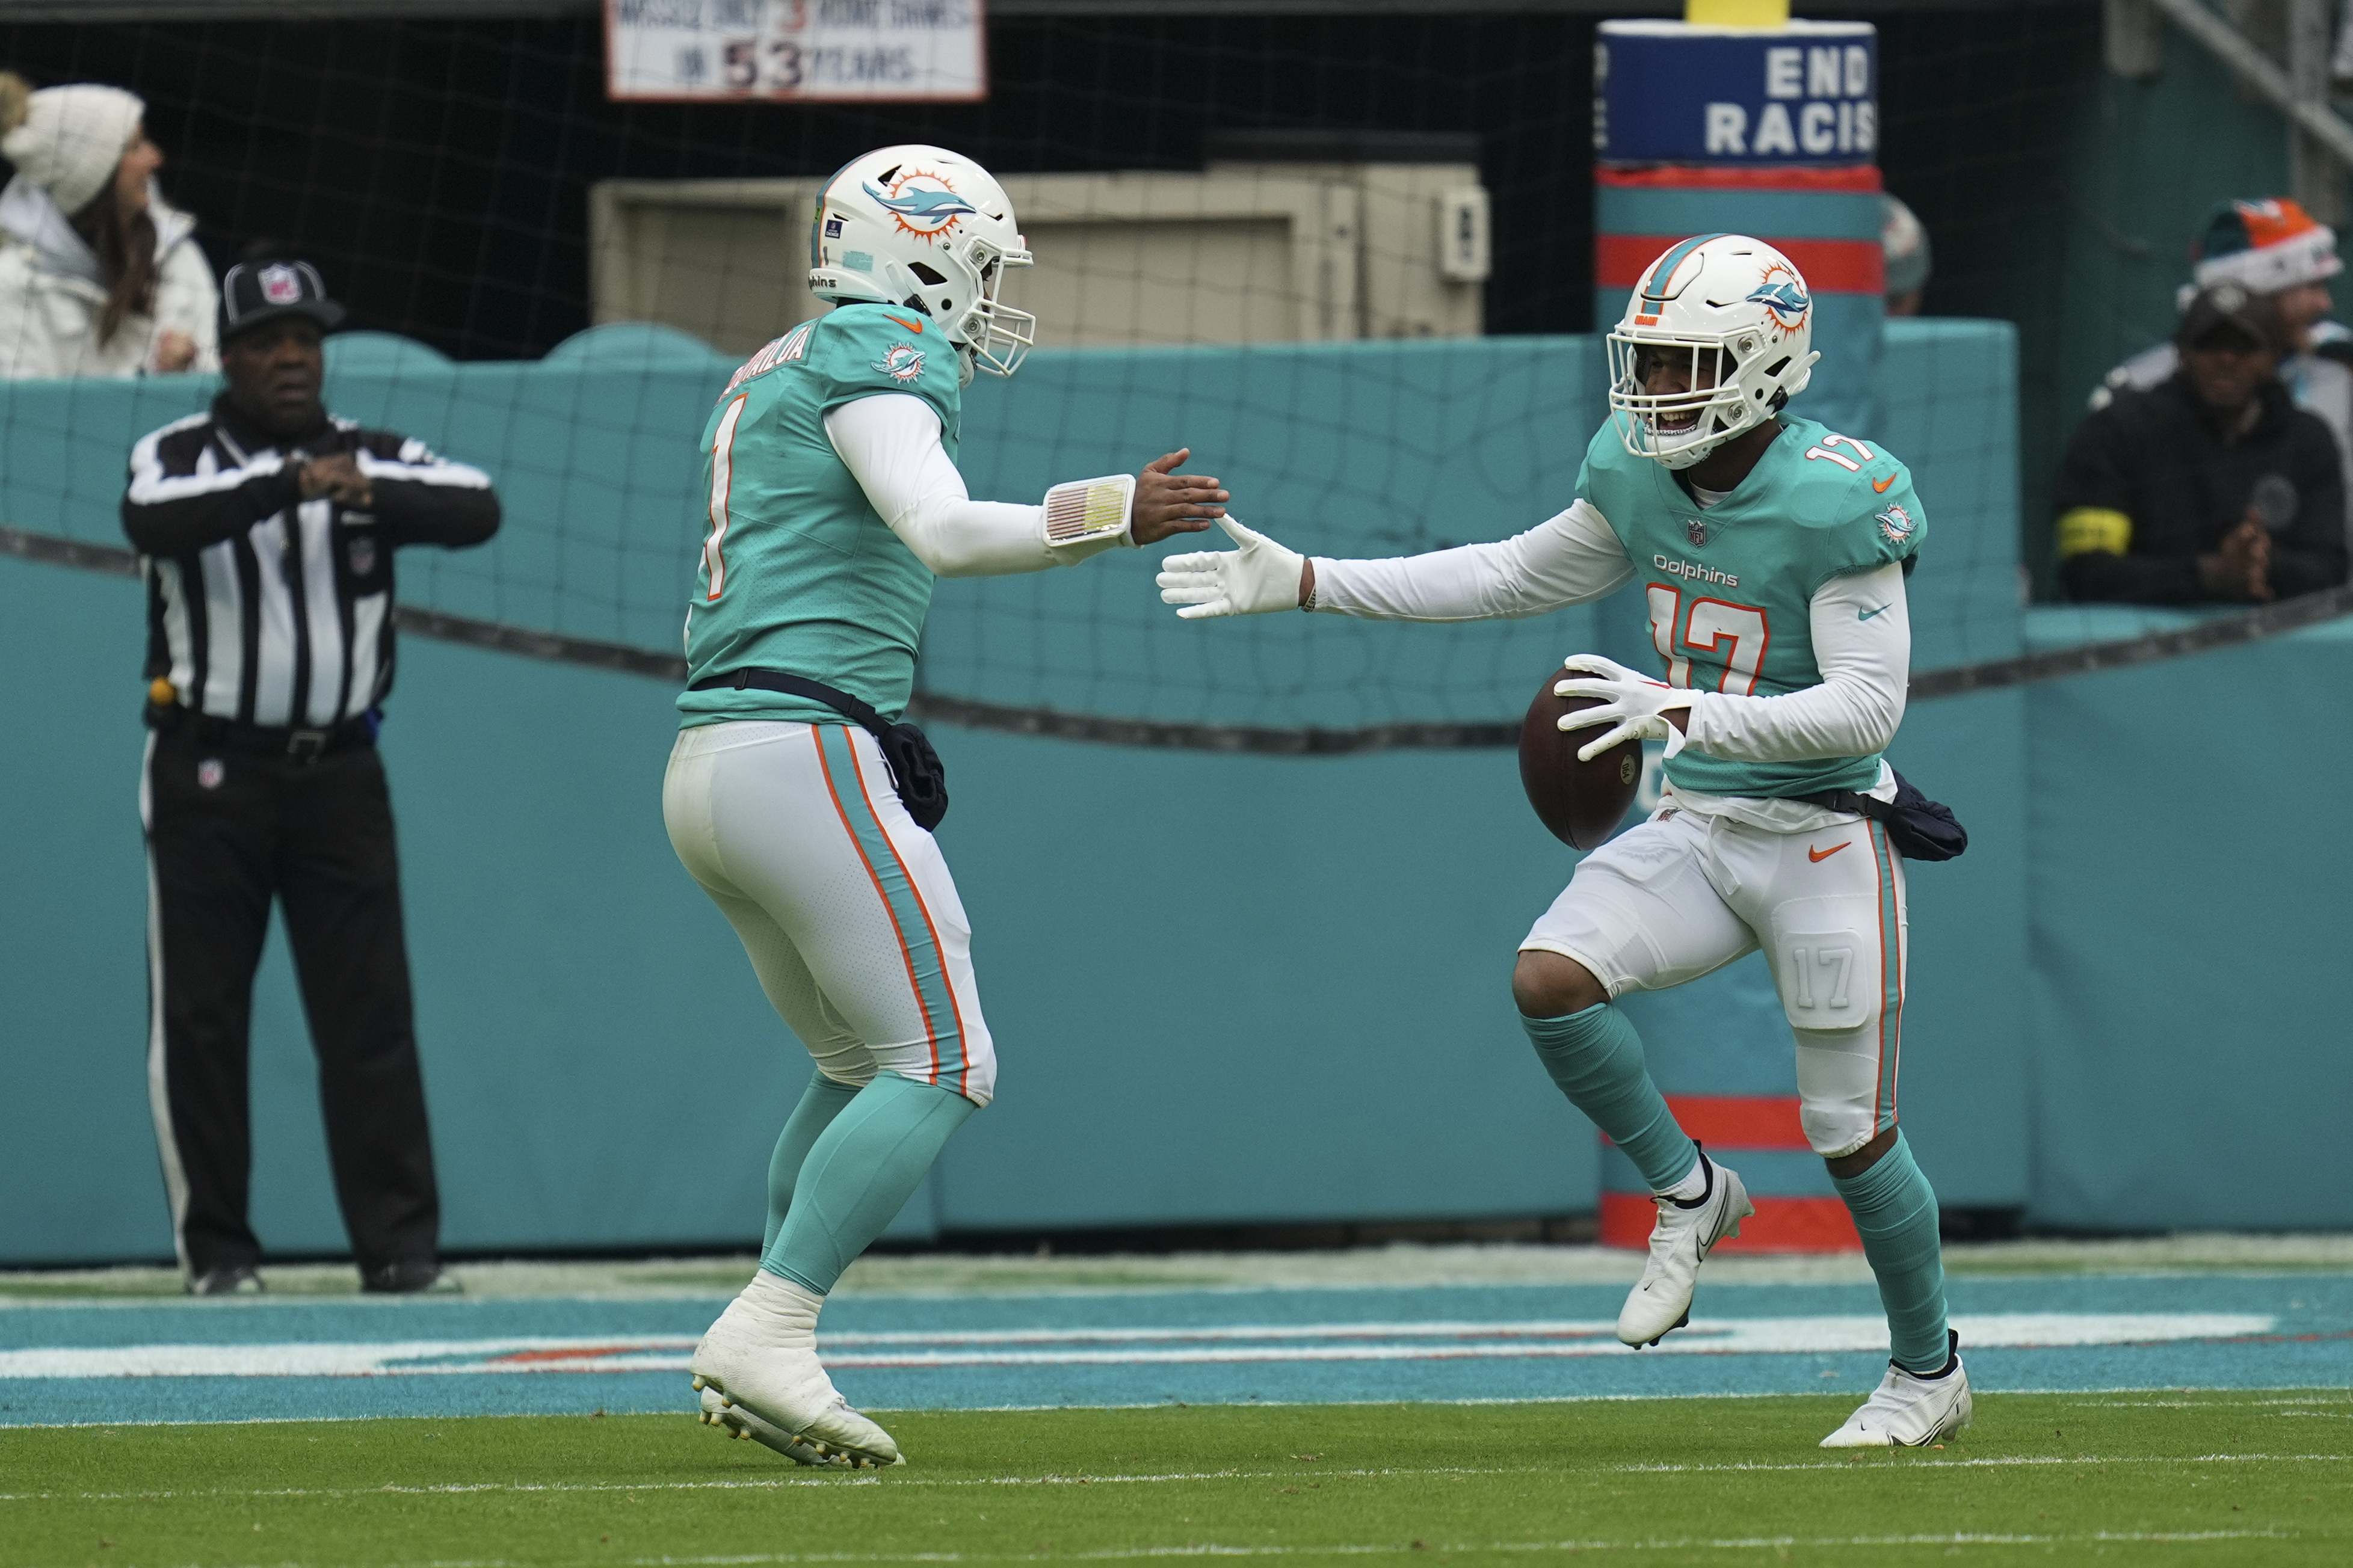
98 275
2274 250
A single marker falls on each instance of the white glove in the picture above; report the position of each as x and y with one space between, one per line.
1260 576
1633 701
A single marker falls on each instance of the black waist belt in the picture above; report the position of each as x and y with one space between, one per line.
1919 828
260 740
917 769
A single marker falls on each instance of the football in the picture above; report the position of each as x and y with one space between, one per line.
1581 802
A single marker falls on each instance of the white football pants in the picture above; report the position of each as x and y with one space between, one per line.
844 906
1682 895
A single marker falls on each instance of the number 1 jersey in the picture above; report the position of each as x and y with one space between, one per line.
1730 588
798 572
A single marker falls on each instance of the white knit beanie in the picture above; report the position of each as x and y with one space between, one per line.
72 139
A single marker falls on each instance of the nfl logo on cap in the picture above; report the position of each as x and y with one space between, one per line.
264 290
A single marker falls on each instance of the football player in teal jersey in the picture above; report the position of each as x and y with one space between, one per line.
834 502
1771 555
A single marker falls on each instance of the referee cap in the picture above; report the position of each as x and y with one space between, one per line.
260 291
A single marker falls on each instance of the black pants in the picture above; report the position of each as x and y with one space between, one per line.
226 831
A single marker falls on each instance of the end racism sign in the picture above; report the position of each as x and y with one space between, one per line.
1667 92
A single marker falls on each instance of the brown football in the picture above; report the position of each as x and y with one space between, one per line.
1581 802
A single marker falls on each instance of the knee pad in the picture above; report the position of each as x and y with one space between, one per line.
1838 1089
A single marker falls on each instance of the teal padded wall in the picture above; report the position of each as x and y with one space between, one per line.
1227 988
2190 1063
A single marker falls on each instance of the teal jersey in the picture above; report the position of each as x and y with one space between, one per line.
800 574
1729 589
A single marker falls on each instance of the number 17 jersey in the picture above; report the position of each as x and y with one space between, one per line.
1730 588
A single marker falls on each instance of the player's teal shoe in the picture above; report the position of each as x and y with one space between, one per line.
1906 1411
1686 1233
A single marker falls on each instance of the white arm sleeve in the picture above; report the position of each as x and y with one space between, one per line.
1563 559
1862 642
891 442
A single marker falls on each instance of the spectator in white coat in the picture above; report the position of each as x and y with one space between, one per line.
98 275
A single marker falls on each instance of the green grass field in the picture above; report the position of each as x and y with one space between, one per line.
2251 1478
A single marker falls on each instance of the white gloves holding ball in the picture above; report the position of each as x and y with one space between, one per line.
1260 576
1637 703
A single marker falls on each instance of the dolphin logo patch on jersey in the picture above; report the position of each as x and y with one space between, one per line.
1784 297
1896 524
927 209
900 362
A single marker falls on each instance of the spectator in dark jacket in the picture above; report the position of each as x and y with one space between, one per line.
2210 487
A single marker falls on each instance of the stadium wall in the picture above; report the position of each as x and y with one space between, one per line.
440 169
1228 988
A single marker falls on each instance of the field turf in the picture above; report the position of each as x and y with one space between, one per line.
2242 1477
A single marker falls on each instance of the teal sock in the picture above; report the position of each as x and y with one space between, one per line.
1597 1059
820 1103
1894 1211
860 1173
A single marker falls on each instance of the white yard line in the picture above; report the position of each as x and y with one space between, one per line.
1426 1548
861 1477
1401 1549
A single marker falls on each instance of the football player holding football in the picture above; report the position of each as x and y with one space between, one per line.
834 502
1771 555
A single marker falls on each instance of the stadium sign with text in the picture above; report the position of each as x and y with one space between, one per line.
833 50
1668 92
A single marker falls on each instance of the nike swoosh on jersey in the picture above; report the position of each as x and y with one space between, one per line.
915 327
1819 855
1879 485
1866 614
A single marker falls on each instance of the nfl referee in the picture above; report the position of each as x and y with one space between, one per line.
266 529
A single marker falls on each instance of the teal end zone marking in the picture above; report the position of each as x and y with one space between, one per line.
2300 1339
1764 214
837 751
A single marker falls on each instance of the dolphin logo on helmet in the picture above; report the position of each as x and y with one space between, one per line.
1786 299
922 208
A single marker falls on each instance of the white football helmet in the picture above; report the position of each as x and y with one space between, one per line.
925 228
1738 317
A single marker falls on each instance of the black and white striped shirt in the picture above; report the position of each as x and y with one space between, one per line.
269 609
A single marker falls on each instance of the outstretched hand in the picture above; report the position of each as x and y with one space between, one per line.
1169 503
1262 576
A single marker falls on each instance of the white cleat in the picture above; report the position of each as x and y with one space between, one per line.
1661 1302
737 1421
761 1357
1908 1411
